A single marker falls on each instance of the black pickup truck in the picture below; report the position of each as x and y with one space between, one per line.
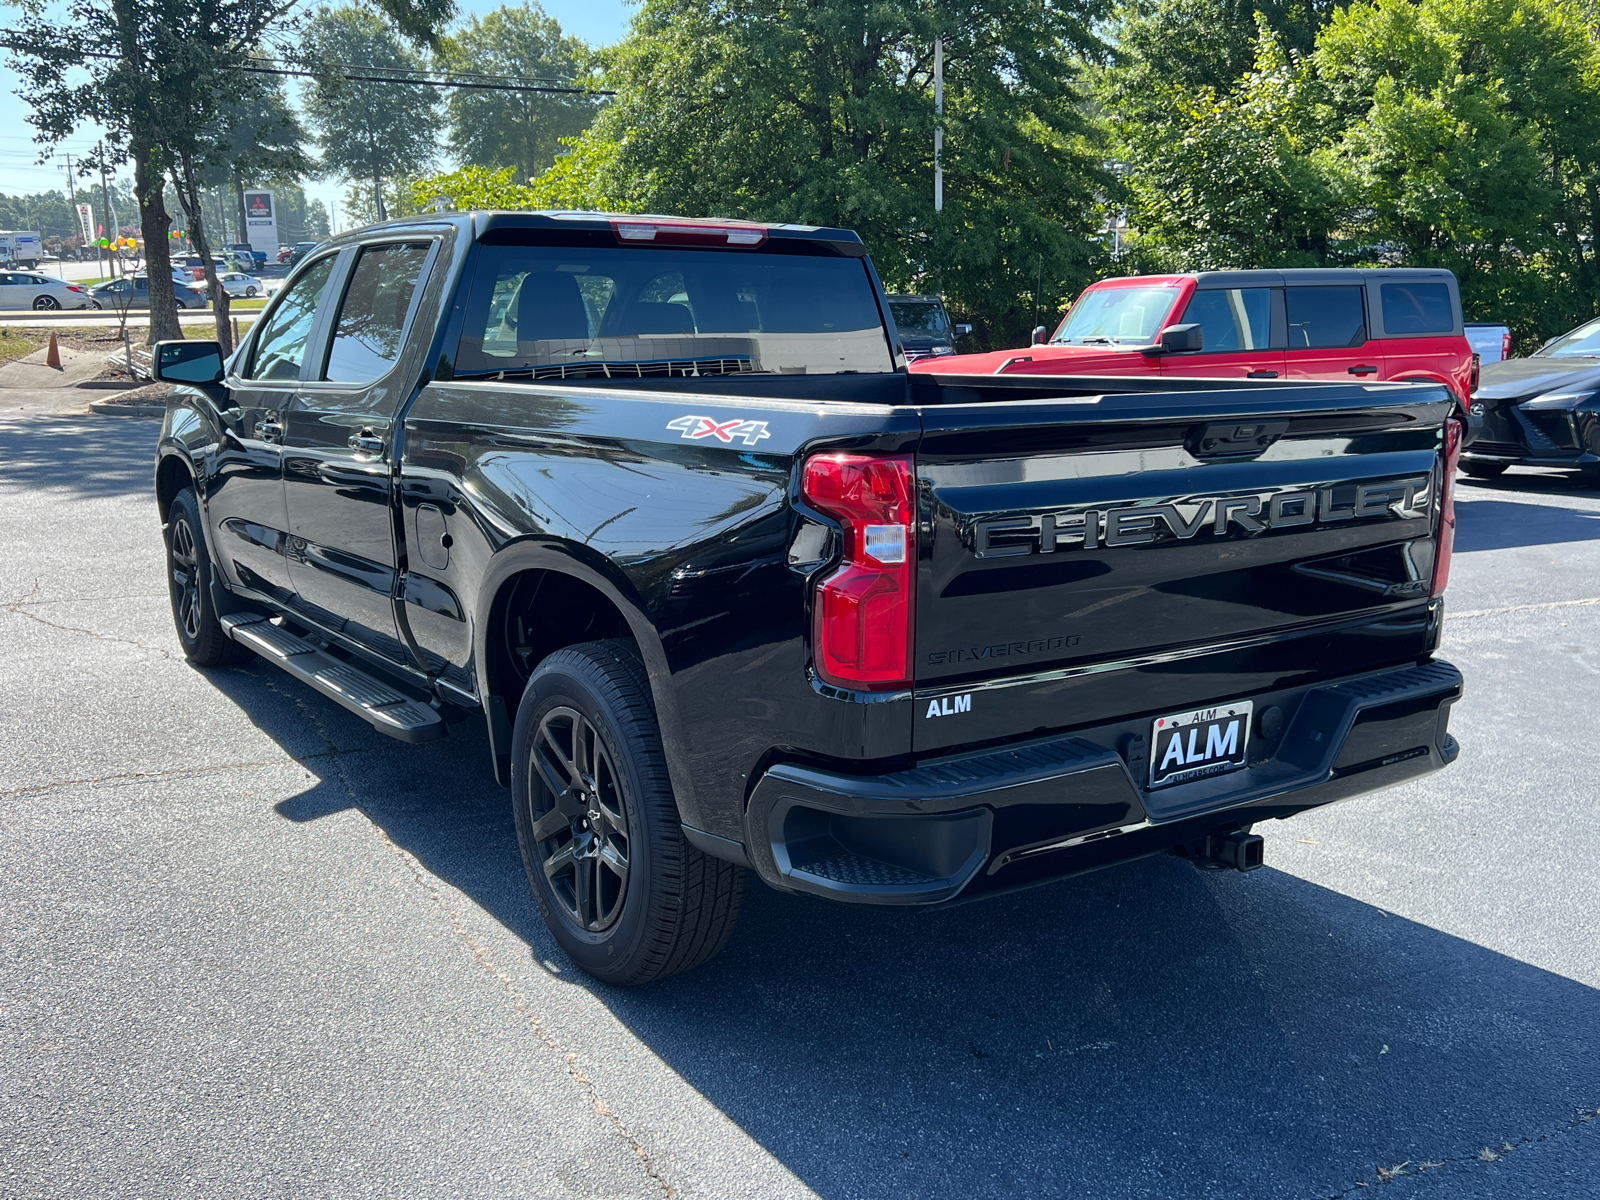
658 502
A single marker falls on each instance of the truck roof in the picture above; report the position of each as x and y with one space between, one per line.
492 226
1282 277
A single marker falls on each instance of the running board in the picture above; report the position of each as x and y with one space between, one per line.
380 705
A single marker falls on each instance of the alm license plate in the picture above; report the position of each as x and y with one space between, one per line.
1206 741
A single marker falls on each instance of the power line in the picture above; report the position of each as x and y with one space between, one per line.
13 41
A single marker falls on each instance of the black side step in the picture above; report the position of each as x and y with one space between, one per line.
375 702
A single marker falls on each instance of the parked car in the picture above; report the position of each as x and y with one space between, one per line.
731 591
1364 325
924 327
244 250
135 293
1540 411
31 289
238 284
301 249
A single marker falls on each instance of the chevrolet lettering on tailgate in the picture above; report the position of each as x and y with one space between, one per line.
1219 516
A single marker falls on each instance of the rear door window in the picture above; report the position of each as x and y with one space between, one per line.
1410 309
1231 318
372 318
1326 317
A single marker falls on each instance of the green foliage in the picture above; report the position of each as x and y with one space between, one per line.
473 188
520 130
823 113
368 131
1454 133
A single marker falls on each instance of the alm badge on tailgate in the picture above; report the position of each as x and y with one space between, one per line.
1206 741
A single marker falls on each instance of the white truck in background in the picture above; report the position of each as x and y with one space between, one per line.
20 246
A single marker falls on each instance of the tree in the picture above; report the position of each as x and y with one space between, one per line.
473 187
824 114
521 130
1471 140
368 130
1222 178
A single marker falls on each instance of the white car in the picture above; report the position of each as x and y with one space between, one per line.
30 289
238 284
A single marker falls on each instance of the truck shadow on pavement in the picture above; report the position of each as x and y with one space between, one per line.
1501 524
88 456
1144 1031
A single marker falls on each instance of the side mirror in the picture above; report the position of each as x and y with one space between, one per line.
1039 334
1179 339
963 330
187 362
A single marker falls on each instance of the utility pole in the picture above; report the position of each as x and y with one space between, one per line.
938 129
105 198
72 210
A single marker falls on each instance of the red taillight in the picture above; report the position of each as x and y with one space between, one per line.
862 625
1454 433
1475 374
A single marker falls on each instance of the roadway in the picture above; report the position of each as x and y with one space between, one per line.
254 948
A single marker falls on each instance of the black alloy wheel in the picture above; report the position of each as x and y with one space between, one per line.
622 891
580 823
205 642
185 579
46 304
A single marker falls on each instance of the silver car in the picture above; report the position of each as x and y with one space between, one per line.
135 293
30 289
238 284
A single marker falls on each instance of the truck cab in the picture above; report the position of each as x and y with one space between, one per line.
1333 325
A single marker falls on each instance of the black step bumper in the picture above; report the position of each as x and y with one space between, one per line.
964 825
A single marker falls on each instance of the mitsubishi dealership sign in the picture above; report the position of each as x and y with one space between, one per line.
261 223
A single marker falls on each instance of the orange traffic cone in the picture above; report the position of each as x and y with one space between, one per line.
52 356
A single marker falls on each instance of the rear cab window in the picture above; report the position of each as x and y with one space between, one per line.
375 310
625 312
1415 309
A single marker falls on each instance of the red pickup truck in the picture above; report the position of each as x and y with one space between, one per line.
1384 324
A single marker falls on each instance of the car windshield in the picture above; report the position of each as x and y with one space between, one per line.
1117 316
632 312
919 316
1582 342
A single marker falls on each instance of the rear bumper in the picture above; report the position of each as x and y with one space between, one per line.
969 824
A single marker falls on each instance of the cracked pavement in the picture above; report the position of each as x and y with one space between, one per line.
248 946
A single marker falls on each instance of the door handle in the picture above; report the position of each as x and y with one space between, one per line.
1262 375
269 431
1363 370
366 442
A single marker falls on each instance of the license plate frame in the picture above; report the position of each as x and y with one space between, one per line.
1200 732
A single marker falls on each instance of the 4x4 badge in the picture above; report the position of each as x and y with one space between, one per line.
693 428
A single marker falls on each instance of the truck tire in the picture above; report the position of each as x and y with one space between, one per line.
1484 470
205 643
622 891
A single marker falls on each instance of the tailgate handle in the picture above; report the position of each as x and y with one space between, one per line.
1235 439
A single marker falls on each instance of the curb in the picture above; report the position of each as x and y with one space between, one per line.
111 385
110 408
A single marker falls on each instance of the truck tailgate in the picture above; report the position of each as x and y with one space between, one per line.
1088 557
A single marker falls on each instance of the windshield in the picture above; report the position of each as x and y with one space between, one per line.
624 312
1582 342
1117 316
919 316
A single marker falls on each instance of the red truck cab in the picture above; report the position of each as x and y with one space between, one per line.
1331 324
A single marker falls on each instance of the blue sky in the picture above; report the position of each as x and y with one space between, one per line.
599 22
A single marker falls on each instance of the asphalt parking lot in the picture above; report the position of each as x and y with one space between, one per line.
250 948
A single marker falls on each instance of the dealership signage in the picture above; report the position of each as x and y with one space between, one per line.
261 223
